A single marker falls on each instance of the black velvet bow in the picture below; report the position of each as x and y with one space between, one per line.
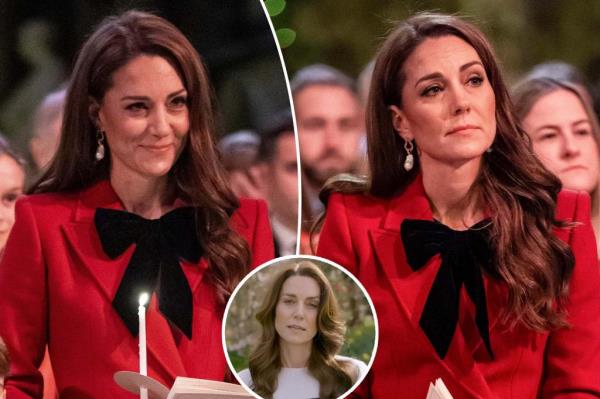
464 254
154 265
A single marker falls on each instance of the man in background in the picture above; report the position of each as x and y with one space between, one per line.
279 173
264 166
239 154
330 122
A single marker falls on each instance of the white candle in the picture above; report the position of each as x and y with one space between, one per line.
142 341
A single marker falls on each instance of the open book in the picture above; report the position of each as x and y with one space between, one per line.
183 388
438 390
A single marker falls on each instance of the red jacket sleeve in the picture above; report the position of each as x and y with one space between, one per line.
572 367
23 314
335 241
335 244
262 239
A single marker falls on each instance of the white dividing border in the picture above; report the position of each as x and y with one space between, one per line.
298 161
300 257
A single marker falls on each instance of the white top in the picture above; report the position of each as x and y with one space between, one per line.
286 238
297 383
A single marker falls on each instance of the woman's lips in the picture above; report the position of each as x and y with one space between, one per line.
461 128
573 167
157 148
296 327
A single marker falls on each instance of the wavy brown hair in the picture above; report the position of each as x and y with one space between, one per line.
334 376
197 176
535 265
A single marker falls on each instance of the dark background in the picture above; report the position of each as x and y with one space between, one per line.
39 40
346 33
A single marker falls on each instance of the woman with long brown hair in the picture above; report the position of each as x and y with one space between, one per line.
482 272
302 333
136 165
559 118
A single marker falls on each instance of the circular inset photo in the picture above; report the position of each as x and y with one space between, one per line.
300 327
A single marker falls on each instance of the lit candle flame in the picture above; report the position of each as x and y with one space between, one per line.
144 298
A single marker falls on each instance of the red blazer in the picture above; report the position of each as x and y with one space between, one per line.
363 234
57 284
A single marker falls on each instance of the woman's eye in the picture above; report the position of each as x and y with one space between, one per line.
547 136
180 101
475 80
10 199
136 107
313 305
431 91
582 132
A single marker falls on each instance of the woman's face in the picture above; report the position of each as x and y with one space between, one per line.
562 138
448 103
297 310
12 179
145 117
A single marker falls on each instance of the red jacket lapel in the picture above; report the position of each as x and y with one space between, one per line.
411 288
161 344
85 243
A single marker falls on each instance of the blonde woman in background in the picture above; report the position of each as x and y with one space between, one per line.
559 118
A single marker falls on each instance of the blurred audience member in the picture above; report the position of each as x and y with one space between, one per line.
557 70
42 71
12 180
4 367
239 153
330 123
558 117
279 175
47 122
239 149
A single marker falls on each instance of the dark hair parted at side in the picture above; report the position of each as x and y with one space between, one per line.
265 361
282 123
196 177
535 265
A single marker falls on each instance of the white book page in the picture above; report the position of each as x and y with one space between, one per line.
438 391
185 383
439 384
191 388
